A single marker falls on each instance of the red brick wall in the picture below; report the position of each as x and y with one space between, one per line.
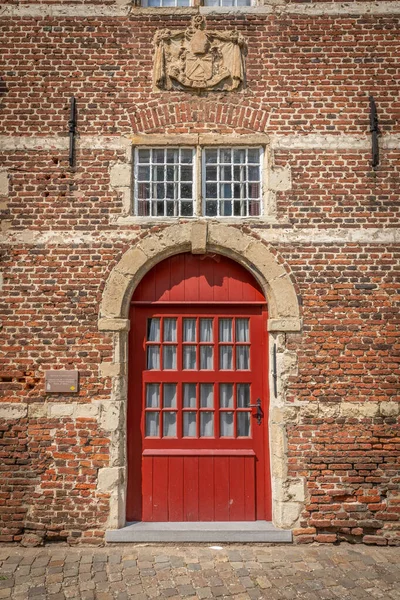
305 74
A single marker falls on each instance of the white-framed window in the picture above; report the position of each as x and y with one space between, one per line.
198 181
165 3
209 3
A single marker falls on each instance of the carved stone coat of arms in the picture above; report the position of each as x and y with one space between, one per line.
198 59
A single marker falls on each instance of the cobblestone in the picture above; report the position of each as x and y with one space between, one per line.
196 572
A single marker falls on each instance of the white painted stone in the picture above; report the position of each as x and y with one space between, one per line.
280 180
37 410
13 410
320 141
59 409
4 177
86 411
108 369
389 409
109 478
113 324
111 415
120 175
328 410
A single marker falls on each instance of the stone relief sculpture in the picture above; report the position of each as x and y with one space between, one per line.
199 60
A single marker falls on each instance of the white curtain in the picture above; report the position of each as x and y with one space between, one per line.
243 424
189 424
206 424
189 330
226 424
206 330
226 395
225 357
169 424
242 357
242 330
169 395
225 330
152 424
206 357
152 395
169 330
169 357
189 357
153 333
243 395
206 395
189 395
153 357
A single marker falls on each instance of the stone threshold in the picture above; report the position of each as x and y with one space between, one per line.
219 531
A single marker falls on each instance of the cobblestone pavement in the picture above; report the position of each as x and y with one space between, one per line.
187 572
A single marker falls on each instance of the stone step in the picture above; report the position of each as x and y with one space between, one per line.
221 531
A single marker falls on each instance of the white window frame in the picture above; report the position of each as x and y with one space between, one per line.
199 179
200 3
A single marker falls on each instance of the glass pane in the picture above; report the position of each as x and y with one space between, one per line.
153 330
189 424
211 156
189 330
206 330
144 156
169 357
225 357
206 395
206 357
243 357
206 424
226 395
243 424
189 357
169 330
186 155
243 395
169 395
152 395
189 395
242 330
169 424
225 330
153 357
152 424
226 424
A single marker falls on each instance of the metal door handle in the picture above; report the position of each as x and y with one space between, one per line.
259 413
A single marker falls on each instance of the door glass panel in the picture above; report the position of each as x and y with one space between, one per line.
189 395
153 357
189 357
169 357
243 395
226 424
206 424
225 330
169 424
206 357
206 330
189 330
189 424
225 357
169 395
152 395
243 424
152 424
242 357
242 330
206 395
226 395
169 330
153 330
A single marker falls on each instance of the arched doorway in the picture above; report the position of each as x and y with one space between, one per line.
198 394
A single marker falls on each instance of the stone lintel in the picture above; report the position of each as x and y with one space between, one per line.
13 410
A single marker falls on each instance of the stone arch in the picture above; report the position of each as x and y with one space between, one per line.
201 237
288 494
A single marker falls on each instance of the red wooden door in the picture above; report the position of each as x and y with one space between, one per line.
197 426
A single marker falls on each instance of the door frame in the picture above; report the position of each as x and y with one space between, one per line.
269 269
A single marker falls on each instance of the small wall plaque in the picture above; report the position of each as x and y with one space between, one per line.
62 382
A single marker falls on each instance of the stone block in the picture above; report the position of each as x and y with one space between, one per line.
280 180
132 261
389 409
199 238
4 188
109 478
113 324
121 175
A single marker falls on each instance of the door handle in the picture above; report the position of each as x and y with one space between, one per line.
259 413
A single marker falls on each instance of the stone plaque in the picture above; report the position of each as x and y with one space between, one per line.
61 382
197 59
